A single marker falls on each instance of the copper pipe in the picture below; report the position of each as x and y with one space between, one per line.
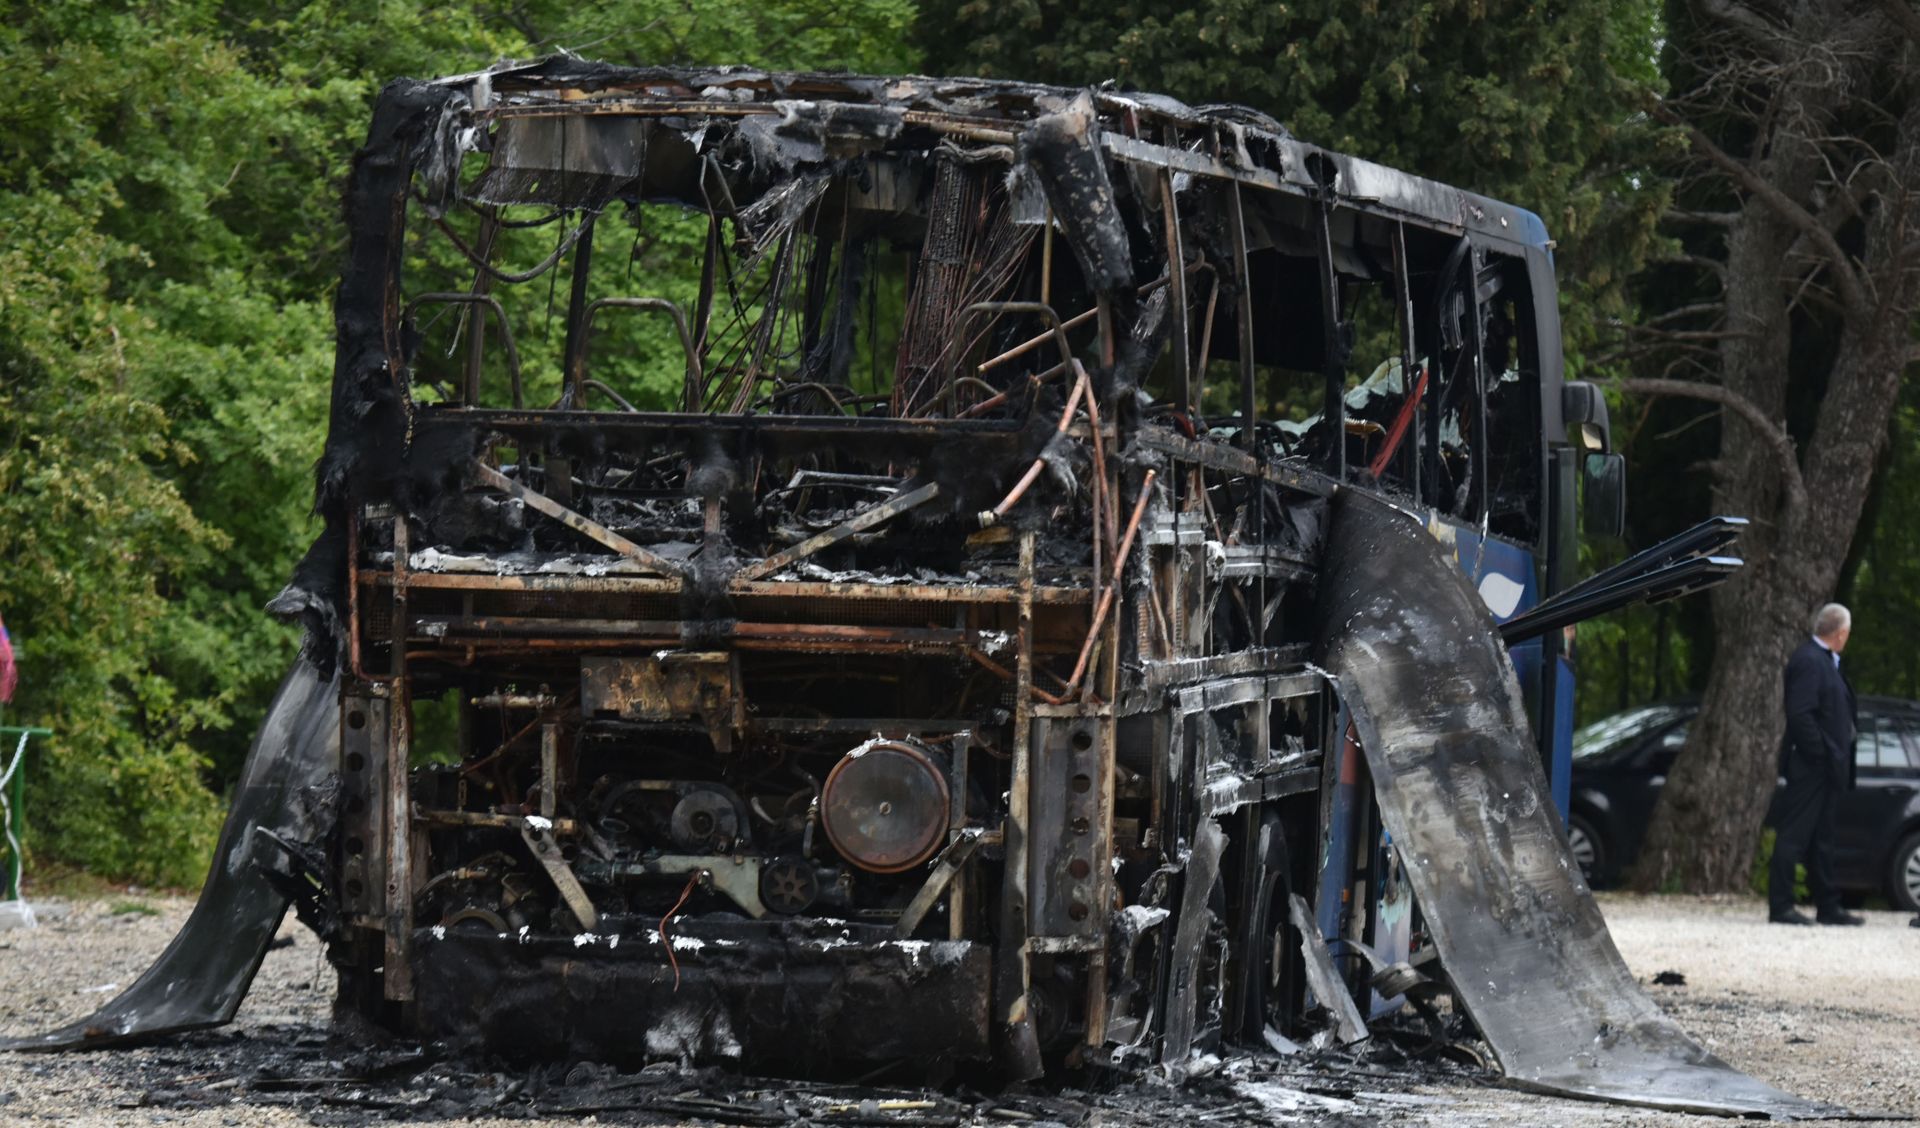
1028 346
1074 322
1103 516
1109 484
1160 621
996 668
511 740
991 402
993 516
1119 568
1206 347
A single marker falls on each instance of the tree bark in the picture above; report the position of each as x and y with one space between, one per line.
1707 824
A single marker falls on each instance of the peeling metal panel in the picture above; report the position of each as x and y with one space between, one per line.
204 973
1438 710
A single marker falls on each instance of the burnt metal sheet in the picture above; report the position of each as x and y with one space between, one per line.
734 992
1190 933
680 685
1438 710
204 973
1322 978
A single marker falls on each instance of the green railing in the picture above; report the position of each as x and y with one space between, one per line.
13 755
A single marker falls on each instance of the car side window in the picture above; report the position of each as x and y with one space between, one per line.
1866 744
1893 751
1909 729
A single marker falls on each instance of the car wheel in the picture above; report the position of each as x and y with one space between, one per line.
1903 874
1588 850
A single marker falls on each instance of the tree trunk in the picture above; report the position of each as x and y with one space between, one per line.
1702 833
1707 824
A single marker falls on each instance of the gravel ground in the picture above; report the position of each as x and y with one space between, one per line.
1825 1012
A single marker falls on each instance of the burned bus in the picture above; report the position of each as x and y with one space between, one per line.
1031 583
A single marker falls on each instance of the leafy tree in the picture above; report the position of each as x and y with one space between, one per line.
171 196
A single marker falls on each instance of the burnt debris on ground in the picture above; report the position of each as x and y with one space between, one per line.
332 1081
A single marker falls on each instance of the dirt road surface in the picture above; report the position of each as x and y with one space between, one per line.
1830 1013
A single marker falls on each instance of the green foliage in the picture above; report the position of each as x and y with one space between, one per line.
170 192
132 908
1881 656
1629 658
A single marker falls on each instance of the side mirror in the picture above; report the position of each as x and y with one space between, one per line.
1584 408
1603 507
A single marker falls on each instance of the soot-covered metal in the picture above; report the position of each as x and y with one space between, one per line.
873 622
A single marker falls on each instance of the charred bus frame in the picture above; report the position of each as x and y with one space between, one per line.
751 710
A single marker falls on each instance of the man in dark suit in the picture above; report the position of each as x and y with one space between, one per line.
1818 762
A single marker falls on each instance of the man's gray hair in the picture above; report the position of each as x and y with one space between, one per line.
1830 618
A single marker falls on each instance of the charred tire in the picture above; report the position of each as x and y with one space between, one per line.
1903 874
1272 978
1588 848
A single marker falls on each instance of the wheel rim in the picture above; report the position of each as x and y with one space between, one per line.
1910 875
1583 854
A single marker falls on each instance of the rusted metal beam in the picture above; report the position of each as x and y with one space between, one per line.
858 523
532 627
950 862
1177 296
1136 151
1220 456
988 130
396 796
768 589
538 835
492 648
549 770
483 820
578 321
1243 317
1107 597
1334 410
587 527
1020 1044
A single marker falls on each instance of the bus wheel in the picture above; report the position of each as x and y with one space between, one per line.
1270 985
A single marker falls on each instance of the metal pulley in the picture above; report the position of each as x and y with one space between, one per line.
708 819
885 806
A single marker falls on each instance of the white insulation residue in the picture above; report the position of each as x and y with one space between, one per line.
1291 1106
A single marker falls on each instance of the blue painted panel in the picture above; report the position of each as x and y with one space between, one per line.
1502 573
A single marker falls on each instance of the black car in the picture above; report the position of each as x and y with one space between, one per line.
1621 763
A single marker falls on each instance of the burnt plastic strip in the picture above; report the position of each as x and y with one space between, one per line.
1438 710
